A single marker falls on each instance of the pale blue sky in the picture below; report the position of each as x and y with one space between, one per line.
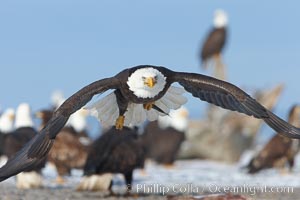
49 45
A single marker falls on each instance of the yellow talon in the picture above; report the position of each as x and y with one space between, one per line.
148 106
120 122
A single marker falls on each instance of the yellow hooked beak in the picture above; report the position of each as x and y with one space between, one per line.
150 82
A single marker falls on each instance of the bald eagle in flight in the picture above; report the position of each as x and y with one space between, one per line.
140 92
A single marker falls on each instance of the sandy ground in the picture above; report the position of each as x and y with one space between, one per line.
9 192
186 178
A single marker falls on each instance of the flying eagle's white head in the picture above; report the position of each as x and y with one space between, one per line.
23 116
7 121
146 82
220 18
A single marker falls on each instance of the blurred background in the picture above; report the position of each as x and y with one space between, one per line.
53 45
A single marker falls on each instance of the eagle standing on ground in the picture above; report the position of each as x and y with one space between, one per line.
162 138
114 151
141 92
215 41
279 150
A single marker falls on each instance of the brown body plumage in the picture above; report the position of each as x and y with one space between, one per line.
67 152
279 151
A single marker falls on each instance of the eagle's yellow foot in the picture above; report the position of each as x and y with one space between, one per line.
120 122
148 106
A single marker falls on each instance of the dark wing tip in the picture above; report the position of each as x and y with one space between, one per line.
281 126
34 152
21 161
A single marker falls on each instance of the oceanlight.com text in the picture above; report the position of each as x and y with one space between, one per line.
190 188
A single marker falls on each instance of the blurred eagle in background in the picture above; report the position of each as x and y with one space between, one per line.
214 44
162 138
68 151
280 150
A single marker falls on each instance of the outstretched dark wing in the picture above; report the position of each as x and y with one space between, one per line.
38 147
228 96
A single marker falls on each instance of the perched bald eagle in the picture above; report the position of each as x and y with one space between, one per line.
14 141
279 151
114 151
67 152
215 41
141 92
162 138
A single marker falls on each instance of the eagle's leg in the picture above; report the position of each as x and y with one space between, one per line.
122 105
120 122
148 106
128 180
291 162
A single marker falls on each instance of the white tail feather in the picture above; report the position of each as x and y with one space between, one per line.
152 115
107 111
162 106
176 90
177 100
139 116
129 115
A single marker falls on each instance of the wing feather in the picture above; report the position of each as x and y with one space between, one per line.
38 147
229 96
